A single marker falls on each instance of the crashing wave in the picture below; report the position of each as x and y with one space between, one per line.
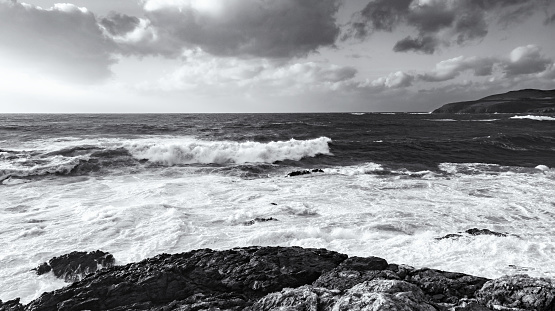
537 118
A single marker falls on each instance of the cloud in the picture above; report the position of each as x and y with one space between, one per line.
246 28
204 74
526 60
394 80
425 44
550 20
452 68
64 40
438 22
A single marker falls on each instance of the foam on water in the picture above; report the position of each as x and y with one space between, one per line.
532 117
353 210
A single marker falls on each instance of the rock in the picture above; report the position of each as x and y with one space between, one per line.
474 232
522 101
443 286
520 292
258 219
74 266
384 295
194 278
353 271
11 305
304 298
304 172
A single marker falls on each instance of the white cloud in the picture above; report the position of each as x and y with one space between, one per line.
397 79
451 68
526 60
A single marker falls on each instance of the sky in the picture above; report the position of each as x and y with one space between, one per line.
192 56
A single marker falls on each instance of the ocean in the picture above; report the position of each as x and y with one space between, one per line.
386 185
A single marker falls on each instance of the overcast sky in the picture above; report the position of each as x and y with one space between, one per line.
269 55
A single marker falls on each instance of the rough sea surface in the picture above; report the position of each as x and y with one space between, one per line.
140 185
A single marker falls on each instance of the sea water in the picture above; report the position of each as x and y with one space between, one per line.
392 184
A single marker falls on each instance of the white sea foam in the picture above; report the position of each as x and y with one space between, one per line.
347 209
532 117
189 151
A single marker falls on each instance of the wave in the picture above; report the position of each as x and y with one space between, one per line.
228 152
537 118
85 157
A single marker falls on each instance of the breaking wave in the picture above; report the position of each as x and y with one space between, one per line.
228 152
78 158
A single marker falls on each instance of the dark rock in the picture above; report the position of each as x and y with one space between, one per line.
443 286
74 266
522 101
11 305
305 172
520 292
245 274
258 219
474 232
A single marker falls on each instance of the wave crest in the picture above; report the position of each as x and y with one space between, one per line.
228 152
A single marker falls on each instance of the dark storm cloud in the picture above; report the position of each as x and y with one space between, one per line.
64 41
119 24
438 22
550 20
257 28
425 44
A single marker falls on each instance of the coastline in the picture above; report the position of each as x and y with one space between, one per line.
283 278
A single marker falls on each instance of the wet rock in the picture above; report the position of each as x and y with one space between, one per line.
519 292
384 295
258 219
241 275
74 266
474 232
443 286
11 305
302 298
305 172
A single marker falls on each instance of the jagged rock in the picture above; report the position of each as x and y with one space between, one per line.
353 271
384 295
11 305
305 172
258 219
443 286
304 298
520 292
468 305
74 266
245 274
474 232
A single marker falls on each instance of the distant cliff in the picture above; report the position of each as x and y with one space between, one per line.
522 101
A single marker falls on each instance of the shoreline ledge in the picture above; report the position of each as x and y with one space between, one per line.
284 278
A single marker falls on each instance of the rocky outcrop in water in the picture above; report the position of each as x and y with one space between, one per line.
522 101
473 232
305 172
289 278
76 265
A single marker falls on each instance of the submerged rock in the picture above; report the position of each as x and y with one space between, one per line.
74 266
305 172
258 219
474 232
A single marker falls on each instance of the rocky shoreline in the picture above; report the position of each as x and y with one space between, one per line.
276 278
